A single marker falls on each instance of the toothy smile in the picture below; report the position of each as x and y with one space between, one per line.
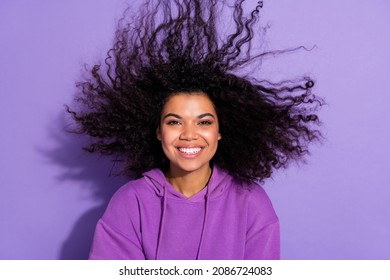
190 151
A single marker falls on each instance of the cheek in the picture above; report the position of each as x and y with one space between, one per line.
168 136
212 137
166 145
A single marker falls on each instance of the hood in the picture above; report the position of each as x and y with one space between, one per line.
214 189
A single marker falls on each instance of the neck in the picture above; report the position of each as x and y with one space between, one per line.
189 183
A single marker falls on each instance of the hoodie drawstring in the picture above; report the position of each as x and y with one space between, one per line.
204 223
162 222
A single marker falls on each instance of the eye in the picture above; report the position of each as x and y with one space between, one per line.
205 122
173 122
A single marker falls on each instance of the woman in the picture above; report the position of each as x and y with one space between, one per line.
196 136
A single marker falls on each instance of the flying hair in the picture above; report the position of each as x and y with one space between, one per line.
173 47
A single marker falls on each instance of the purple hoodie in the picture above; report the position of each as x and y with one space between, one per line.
148 219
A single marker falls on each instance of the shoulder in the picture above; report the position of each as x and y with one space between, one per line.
258 196
260 205
252 191
130 189
257 202
129 196
151 182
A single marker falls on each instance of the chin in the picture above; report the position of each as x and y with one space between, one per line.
188 168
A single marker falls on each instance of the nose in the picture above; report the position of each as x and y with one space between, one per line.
189 133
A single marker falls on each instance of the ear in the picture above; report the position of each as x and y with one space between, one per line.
219 136
158 133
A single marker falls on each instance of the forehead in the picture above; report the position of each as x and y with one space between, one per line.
188 103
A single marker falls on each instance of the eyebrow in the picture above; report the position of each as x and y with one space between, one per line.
201 116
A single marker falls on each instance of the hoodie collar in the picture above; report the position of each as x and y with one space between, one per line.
162 187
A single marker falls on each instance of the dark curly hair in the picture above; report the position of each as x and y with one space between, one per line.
176 46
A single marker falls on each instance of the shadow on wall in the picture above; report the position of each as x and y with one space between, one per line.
85 170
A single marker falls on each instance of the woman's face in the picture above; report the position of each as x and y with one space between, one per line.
189 132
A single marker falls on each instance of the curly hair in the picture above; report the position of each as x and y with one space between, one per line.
173 47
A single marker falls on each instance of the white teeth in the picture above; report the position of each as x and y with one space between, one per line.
190 151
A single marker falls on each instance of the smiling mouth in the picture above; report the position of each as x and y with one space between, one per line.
190 151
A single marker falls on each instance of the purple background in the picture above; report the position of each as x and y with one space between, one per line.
334 207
